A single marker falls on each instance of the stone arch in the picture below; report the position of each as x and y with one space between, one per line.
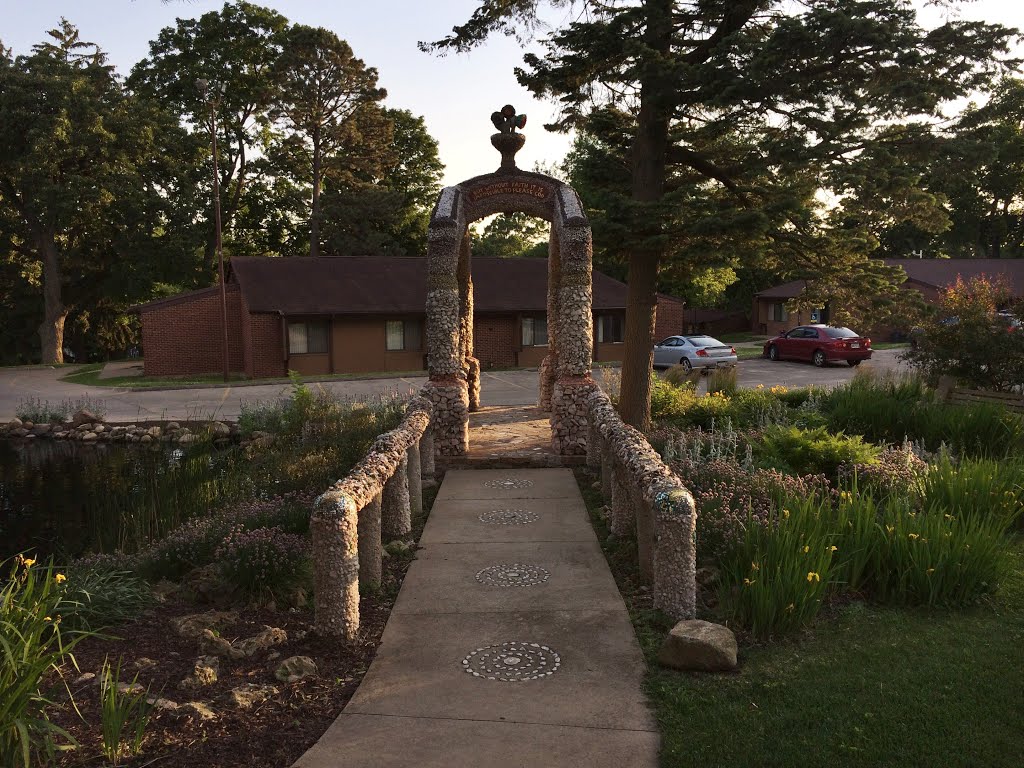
565 380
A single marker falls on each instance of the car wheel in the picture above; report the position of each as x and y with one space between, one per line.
853 363
819 358
773 352
687 365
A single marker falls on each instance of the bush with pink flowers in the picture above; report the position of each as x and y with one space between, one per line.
262 560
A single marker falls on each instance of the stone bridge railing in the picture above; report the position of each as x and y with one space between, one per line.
647 497
373 503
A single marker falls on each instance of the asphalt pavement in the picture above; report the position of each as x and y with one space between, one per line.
497 388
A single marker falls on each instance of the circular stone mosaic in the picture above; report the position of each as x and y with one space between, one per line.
509 517
512 575
512 662
509 483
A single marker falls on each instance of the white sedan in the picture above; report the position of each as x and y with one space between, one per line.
693 352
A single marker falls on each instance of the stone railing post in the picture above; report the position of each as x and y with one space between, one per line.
414 470
333 528
621 521
644 534
593 445
396 520
675 550
370 549
427 470
607 464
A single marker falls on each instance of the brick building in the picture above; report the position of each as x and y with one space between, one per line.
357 314
927 276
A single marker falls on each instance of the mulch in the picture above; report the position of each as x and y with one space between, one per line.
270 735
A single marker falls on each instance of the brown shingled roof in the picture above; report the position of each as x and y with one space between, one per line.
336 285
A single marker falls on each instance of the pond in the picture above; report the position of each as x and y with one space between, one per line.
64 499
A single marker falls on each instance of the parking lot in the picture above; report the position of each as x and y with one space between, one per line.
498 388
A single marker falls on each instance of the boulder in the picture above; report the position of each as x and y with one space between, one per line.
89 437
41 429
204 673
211 644
84 416
249 695
98 428
164 705
173 426
192 626
130 688
220 429
185 439
204 585
85 677
154 432
143 662
264 641
144 439
15 424
198 708
18 432
295 668
699 645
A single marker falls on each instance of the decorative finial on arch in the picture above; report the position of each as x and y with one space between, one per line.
507 141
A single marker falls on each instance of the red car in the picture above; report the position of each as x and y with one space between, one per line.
821 344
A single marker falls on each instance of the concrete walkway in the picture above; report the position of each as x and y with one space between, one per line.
509 644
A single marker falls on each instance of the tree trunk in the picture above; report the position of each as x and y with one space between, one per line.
314 219
649 157
51 330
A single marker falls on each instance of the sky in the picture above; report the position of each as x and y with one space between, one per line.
455 94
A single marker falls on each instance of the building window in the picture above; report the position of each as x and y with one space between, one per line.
403 336
609 329
307 337
535 331
778 312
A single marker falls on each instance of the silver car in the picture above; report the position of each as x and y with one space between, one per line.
693 352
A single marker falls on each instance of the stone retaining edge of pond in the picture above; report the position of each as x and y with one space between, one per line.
88 428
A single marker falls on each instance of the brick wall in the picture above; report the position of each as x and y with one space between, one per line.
669 318
266 346
495 340
185 337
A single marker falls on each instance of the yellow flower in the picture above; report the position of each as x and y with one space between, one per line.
806 549
28 562
931 571
845 496
755 567
789 608
812 576
60 578
785 513
748 582
889 528
759 386
47 618
833 548
913 536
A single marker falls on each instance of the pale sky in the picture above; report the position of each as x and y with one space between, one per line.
455 94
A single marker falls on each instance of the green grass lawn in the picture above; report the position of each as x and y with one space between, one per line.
890 345
89 375
749 353
865 686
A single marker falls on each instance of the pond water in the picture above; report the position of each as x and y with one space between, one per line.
63 499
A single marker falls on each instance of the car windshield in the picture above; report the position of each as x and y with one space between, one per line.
840 333
704 341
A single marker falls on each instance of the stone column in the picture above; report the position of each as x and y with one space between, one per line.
370 549
415 480
549 365
447 388
427 470
333 528
675 556
470 364
575 331
621 521
396 520
644 535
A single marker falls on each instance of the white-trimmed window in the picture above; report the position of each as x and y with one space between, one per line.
609 329
403 336
778 312
307 337
535 331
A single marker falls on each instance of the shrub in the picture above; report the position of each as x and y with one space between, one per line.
32 646
966 339
263 560
723 380
897 472
40 411
993 490
813 451
774 579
